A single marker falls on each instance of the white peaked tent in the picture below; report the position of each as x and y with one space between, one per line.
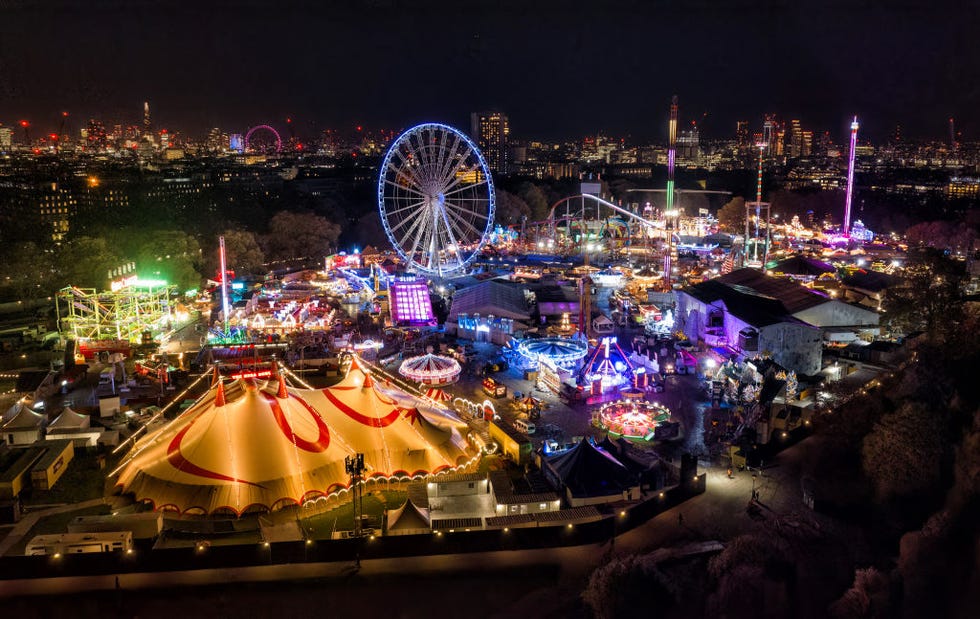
23 428
10 413
253 446
408 517
69 420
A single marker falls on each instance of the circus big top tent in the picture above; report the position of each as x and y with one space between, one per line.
252 446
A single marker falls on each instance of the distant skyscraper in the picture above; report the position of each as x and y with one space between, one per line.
742 133
796 139
146 118
807 148
6 139
95 135
491 132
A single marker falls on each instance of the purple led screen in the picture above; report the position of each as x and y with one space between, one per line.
410 304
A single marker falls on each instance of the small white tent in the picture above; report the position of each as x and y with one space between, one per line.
69 421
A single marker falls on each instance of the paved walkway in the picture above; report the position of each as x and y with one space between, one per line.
27 523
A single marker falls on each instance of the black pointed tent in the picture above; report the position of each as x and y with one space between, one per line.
590 475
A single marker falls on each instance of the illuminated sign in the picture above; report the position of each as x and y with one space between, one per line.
118 284
411 305
252 374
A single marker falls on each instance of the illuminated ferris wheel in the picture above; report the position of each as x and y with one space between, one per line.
436 198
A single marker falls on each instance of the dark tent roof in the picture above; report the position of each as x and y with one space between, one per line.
873 281
490 297
590 471
802 265
632 458
747 305
794 297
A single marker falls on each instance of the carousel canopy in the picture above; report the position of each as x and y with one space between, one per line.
430 369
255 446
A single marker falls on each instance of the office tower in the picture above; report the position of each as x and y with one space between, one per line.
742 133
491 132
795 139
6 139
807 148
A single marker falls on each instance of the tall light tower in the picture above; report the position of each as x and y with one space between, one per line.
354 466
850 178
224 282
758 206
669 212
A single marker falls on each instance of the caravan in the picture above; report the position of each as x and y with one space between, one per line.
525 426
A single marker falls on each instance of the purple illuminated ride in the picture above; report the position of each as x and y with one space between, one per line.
411 305
850 178
669 211
608 365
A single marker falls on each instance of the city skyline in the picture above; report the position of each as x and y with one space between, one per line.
554 72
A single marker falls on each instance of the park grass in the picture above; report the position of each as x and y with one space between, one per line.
341 518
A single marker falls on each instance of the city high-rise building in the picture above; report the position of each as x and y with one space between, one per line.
689 143
6 139
146 118
742 133
795 138
491 132
779 144
95 135
807 148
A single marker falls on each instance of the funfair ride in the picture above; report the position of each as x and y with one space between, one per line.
561 351
436 199
430 369
633 419
850 177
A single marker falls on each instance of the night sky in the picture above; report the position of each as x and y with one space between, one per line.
556 68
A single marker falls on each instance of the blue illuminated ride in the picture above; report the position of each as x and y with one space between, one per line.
561 351
436 199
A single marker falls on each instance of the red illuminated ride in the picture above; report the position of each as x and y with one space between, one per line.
633 419
430 369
